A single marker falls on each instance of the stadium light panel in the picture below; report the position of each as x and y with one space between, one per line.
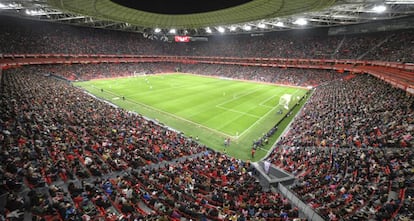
33 12
247 28
10 6
379 9
300 21
399 2
280 24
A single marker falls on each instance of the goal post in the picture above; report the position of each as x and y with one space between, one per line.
285 100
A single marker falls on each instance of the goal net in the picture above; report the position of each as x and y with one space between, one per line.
285 100
137 74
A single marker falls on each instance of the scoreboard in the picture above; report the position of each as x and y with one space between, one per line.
179 38
185 38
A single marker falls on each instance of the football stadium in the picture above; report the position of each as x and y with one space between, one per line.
245 110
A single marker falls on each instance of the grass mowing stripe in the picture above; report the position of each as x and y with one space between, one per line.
167 88
239 112
172 98
178 117
254 124
238 96
268 99
188 103
168 113
270 111
247 103
230 122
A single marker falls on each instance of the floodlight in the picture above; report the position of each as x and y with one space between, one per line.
379 9
300 21
399 2
221 29
280 24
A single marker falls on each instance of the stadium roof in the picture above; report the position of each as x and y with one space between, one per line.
208 17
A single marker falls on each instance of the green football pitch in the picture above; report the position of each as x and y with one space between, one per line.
209 108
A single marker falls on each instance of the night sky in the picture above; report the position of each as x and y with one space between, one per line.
177 7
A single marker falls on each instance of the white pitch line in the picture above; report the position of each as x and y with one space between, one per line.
210 129
177 117
235 98
262 103
238 96
239 112
254 124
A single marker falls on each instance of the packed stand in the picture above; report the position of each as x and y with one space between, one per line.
54 132
355 46
81 72
211 186
359 112
398 47
77 163
350 149
351 184
291 76
19 36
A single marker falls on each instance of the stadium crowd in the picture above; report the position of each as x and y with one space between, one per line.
290 76
19 36
51 130
69 156
352 184
294 77
359 112
355 162
351 144
84 72
350 147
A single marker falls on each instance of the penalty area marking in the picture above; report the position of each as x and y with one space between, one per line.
236 97
239 112
260 119
180 118
236 137
173 115
265 101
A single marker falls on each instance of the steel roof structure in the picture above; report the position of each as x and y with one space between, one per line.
254 16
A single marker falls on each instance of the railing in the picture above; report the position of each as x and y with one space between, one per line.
307 211
349 65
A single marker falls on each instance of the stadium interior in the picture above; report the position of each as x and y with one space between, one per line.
347 153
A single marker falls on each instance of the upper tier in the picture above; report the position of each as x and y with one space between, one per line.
23 36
